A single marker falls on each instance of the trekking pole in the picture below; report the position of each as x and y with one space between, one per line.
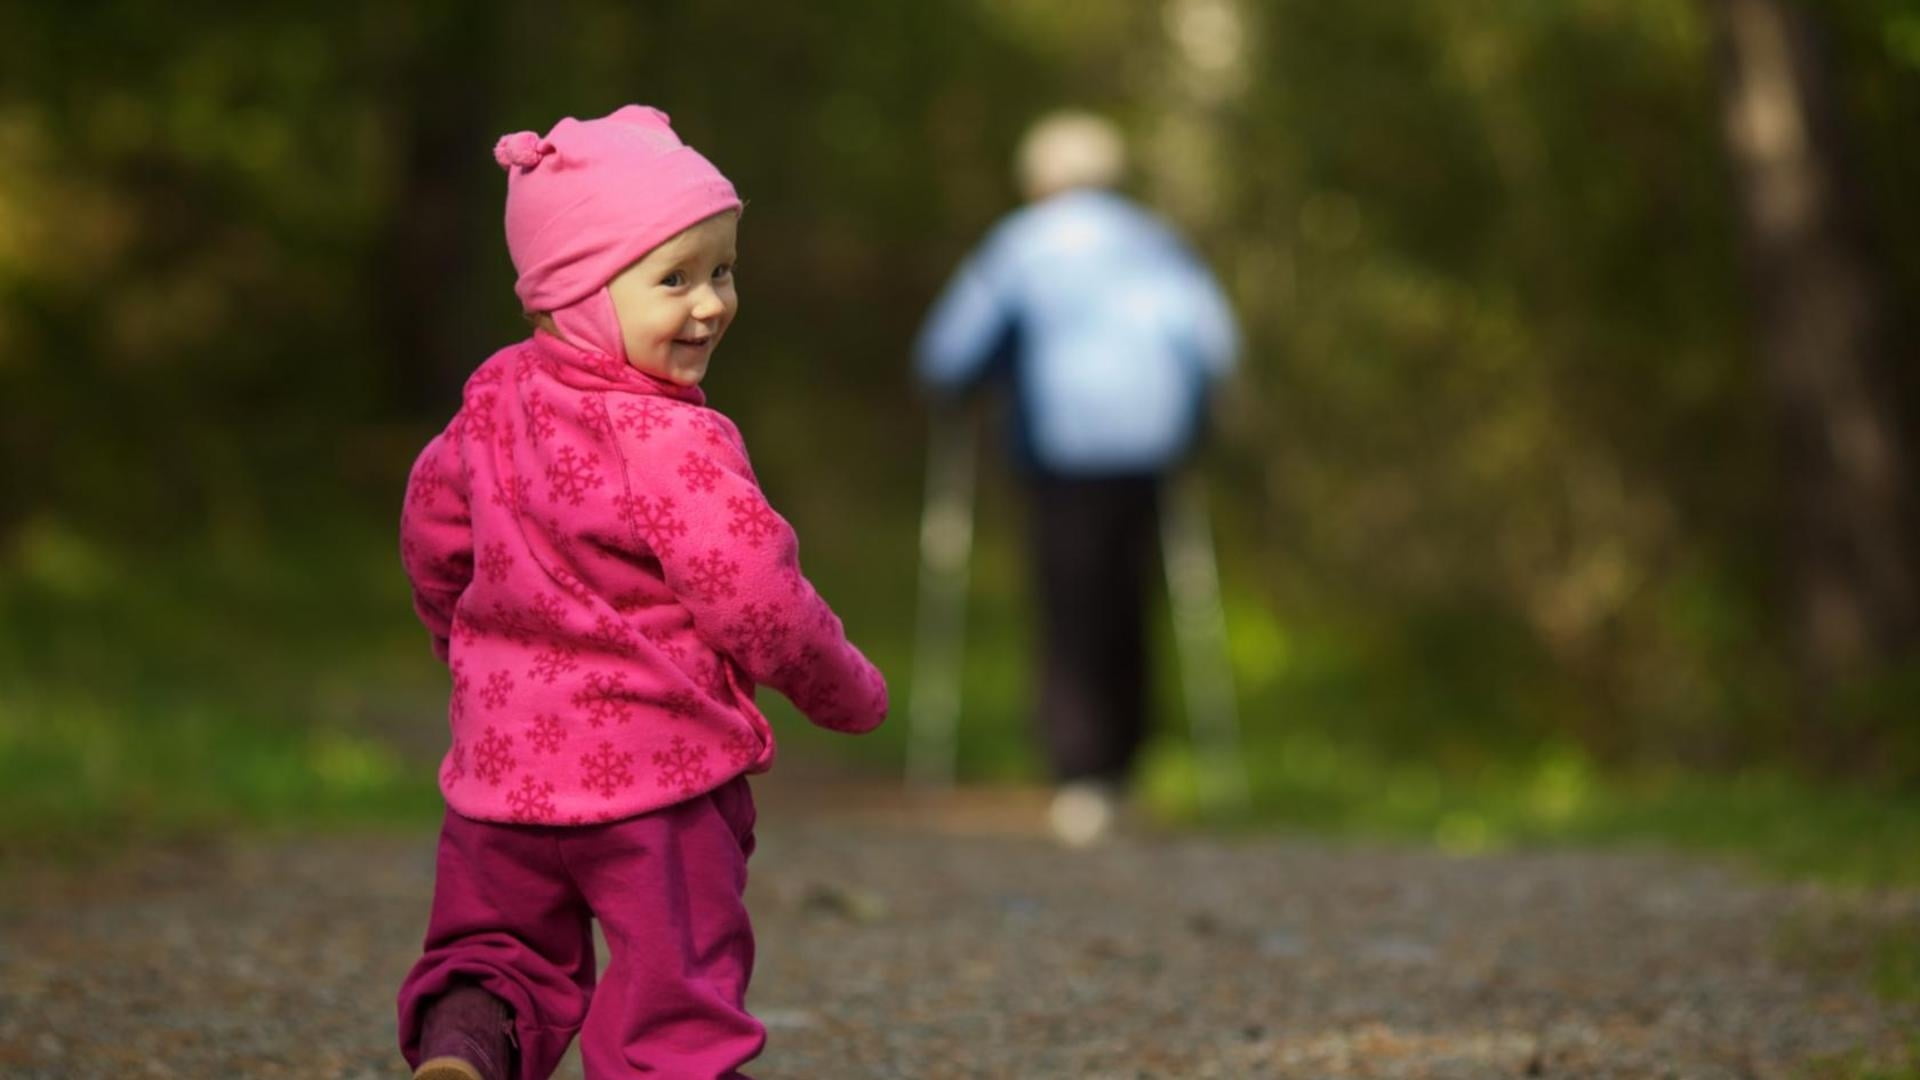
946 548
1200 629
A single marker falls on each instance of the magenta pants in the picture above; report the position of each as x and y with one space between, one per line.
512 911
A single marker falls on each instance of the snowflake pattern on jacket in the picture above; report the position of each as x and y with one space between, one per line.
596 563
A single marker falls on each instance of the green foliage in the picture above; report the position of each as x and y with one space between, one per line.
155 692
1496 495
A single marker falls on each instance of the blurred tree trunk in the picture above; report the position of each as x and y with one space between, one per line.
1204 76
1821 328
1191 163
442 100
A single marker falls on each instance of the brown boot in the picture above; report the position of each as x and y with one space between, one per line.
467 1035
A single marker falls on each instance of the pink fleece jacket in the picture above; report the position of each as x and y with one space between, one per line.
596 563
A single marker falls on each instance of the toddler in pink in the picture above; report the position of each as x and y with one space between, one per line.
594 560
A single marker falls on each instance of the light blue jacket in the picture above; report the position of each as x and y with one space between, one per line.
1110 328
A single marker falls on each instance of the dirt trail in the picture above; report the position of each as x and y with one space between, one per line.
908 941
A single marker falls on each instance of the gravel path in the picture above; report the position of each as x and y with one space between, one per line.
912 941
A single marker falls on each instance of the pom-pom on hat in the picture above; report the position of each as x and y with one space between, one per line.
592 196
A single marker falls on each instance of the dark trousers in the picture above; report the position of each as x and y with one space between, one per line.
1093 549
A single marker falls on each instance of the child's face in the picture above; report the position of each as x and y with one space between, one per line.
674 303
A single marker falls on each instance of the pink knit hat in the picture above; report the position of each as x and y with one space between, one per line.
591 198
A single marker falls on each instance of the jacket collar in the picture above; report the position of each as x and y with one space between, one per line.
588 369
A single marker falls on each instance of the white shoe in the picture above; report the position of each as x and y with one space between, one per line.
1084 812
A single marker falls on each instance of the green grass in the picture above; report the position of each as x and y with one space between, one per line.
1858 1066
83 776
225 684
1896 967
1782 824
239 681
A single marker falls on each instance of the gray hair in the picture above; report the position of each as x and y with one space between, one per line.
1070 149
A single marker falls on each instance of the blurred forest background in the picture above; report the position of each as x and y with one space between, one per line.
1568 490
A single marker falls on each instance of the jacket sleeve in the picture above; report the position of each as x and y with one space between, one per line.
436 537
1212 335
692 502
967 326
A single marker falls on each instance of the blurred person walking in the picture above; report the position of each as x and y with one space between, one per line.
1110 335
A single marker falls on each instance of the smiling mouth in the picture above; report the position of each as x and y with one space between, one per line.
694 343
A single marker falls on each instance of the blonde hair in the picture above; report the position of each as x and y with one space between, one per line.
1069 149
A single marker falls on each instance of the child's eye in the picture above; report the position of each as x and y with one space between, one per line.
674 280
723 271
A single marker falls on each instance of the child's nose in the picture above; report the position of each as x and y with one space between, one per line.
707 303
